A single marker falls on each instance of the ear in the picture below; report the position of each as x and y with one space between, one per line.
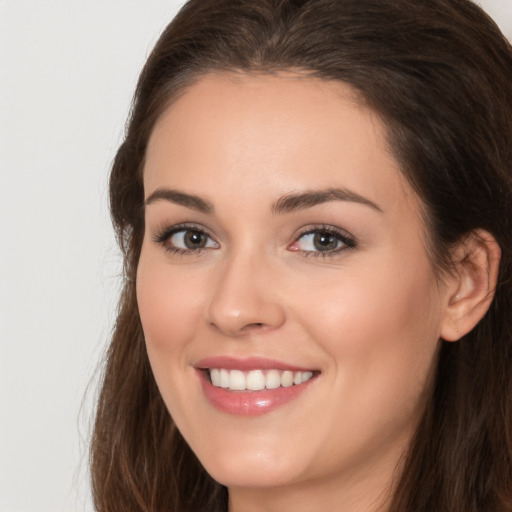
471 285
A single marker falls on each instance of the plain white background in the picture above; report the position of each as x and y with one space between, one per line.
67 72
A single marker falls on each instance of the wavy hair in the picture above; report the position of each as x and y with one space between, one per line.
439 74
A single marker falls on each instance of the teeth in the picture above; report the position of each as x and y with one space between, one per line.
224 379
256 380
215 377
272 379
287 379
236 380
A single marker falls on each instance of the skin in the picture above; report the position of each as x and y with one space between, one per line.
368 318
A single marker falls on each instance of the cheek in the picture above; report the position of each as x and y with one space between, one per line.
380 328
170 310
378 306
380 332
168 303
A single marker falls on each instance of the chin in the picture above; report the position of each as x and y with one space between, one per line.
251 469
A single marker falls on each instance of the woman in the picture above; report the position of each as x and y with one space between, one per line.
313 200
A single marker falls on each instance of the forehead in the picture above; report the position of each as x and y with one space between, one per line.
271 135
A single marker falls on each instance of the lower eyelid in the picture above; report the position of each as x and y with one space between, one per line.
164 238
346 239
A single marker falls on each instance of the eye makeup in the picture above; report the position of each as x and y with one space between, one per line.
184 239
320 240
323 241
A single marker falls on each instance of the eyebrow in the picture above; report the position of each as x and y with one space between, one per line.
293 202
285 204
181 198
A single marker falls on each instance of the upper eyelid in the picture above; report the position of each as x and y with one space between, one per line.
165 233
185 226
164 236
326 228
348 240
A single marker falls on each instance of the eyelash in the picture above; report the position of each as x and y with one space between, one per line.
348 241
163 237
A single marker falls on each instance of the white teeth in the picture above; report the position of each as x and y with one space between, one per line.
287 379
272 379
306 376
256 380
215 376
224 379
236 380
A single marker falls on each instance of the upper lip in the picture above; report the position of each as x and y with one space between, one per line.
246 364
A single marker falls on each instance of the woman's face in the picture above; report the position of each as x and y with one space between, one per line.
283 245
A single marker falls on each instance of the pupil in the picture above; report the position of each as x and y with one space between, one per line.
194 240
325 241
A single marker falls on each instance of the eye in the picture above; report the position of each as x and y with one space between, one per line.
182 239
323 241
190 239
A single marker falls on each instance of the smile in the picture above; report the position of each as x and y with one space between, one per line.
257 380
253 386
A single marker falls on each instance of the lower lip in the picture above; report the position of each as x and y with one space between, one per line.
250 403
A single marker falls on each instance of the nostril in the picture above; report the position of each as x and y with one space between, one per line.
255 325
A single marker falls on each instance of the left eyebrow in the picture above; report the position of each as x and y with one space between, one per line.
292 202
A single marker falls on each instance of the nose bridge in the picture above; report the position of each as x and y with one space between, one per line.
243 298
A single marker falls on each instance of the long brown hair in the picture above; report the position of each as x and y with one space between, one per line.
439 73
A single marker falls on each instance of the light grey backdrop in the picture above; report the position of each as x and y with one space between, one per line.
67 72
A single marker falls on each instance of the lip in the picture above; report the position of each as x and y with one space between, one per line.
246 364
249 403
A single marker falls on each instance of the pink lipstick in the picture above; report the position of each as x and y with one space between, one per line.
253 386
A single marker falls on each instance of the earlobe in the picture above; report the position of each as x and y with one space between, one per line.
471 285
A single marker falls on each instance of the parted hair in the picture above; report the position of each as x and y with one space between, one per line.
439 75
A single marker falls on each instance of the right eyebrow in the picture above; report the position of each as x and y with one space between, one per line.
181 198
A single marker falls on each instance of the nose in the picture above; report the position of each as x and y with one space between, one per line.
244 298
